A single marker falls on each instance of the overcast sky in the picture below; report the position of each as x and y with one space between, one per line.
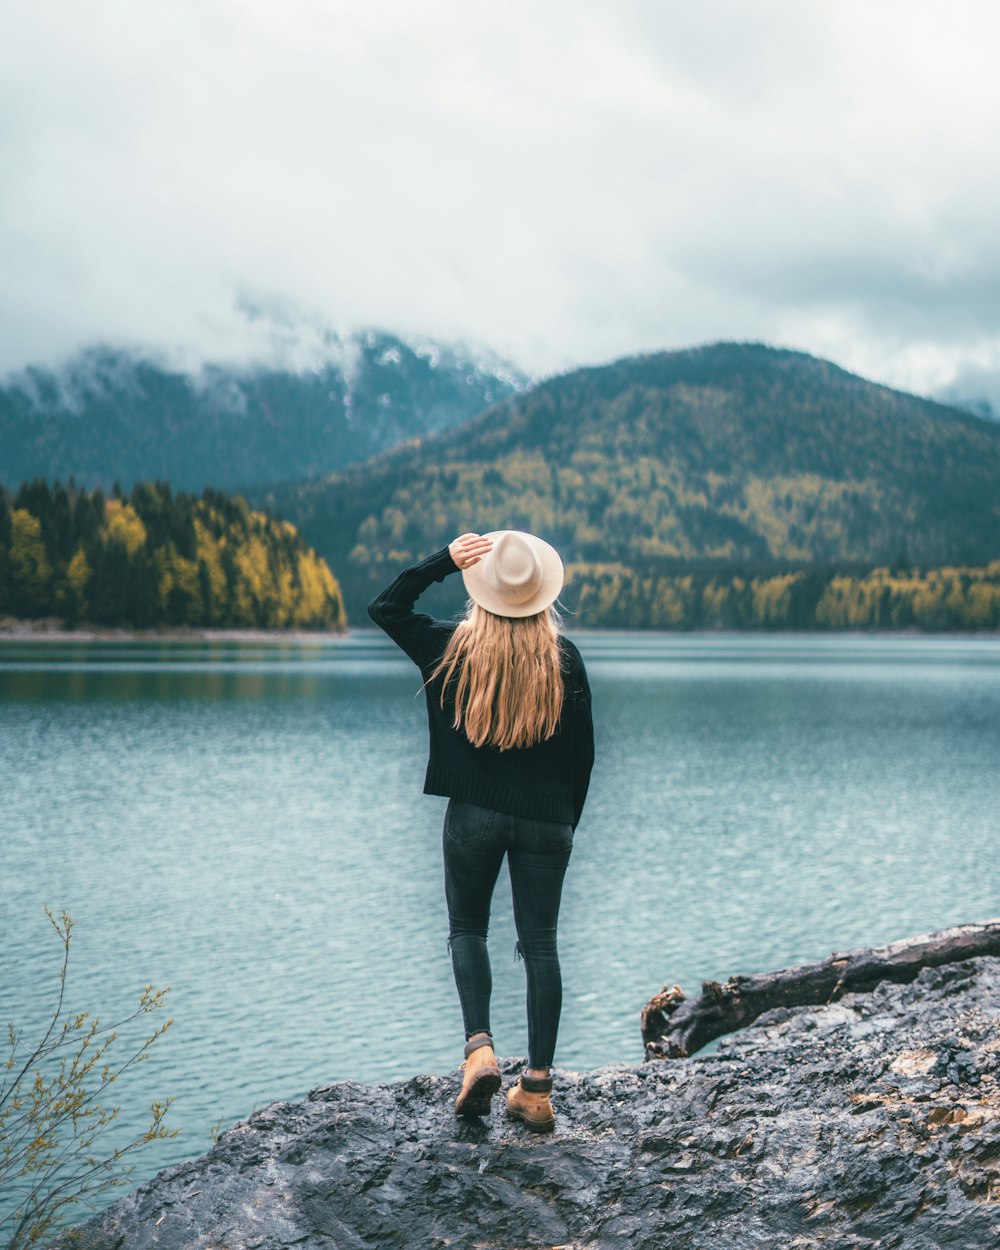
565 181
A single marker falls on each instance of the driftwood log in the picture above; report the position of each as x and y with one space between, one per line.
674 1026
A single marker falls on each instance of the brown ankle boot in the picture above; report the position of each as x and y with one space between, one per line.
528 1100
482 1076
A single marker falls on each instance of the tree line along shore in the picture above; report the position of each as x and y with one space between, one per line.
945 599
157 559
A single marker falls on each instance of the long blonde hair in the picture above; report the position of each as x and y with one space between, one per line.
505 677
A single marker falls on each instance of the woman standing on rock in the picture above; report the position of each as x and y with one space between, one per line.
511 747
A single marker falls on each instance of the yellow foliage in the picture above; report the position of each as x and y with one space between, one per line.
714 599
251 560
669 606
984 605
123 524
78 571
394 523
831 610
772 598
317 589
29 565
240 567
173 570
210 550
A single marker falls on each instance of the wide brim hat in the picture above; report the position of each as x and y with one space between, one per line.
521 576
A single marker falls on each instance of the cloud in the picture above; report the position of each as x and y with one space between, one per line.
566 182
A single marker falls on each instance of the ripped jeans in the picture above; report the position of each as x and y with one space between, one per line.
475 842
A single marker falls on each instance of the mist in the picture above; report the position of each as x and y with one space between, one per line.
564 183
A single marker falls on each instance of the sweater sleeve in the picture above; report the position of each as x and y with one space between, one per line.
392 610
583 733
584 751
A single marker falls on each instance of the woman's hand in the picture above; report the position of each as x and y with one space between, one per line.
467 549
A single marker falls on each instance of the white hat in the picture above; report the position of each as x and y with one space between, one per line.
520 576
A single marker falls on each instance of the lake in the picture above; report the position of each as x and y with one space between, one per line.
244 822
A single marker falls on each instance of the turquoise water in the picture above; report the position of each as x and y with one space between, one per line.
244 822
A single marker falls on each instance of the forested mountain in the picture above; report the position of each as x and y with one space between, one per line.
155 558
109 416
731 460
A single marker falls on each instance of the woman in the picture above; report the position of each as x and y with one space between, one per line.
511 747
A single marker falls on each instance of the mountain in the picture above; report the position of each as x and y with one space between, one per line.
730 454
110 415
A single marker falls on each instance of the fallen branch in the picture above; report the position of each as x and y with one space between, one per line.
673 1026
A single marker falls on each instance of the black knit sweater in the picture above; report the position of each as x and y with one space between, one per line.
547 781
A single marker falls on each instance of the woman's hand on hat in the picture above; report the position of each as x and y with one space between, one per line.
468 549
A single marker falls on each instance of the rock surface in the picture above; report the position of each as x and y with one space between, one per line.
870 1122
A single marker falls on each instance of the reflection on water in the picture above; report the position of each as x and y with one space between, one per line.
245 823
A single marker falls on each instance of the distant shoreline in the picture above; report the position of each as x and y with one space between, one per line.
54 630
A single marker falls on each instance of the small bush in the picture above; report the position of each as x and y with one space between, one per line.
52 1119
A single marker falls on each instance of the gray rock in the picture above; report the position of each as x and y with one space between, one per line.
849 1126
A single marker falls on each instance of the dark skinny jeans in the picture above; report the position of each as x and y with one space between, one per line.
475 842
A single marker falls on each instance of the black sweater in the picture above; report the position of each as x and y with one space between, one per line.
547 781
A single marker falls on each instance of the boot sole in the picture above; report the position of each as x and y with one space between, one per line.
533 1126
476 1099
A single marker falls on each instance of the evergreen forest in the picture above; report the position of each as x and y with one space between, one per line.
155 558
734 486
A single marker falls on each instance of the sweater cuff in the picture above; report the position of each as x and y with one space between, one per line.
439 565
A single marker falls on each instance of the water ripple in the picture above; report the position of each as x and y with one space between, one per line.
245 823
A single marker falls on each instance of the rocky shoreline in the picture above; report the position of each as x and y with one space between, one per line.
869 1122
